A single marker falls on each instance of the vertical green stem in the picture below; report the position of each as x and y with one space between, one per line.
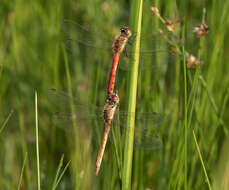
201 159
37 144
22 171
69 86
185 115
128 152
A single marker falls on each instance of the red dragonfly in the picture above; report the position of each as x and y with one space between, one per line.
146 131
78 34
117 48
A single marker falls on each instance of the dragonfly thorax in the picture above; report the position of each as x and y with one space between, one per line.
113 99
110 108
108 112
121 40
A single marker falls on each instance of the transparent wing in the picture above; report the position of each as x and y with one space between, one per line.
76 33
89 118
152 45
70 107
153 48
146 131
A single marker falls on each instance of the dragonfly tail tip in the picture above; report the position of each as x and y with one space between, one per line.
97 171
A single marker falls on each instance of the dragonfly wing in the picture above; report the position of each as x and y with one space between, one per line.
69 110
143 120
149 140
156 38
78 34
147 135
152 48
143 139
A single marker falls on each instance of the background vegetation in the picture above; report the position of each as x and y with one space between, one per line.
33 56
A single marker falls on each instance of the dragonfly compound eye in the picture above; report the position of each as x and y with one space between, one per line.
125 31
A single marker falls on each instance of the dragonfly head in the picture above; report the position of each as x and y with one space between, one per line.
113 98
125 31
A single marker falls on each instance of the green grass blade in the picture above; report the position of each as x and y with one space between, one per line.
128 152
75 159
6 121
185 116
213 103
201 159
37 144
22 171
57 173
61 175
220 179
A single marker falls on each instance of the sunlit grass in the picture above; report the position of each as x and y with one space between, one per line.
132 95
37 144
33 56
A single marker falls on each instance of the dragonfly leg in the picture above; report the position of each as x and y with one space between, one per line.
125 52
131 39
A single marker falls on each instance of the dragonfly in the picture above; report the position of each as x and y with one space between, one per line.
78 34
117 48
110 117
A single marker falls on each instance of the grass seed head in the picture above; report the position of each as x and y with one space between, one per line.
201 30
155 11
172 25
192 62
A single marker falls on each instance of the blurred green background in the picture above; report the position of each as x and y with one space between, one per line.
33 57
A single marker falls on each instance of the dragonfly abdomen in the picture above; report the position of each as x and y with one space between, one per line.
117 48
113 73
108 115
106 130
